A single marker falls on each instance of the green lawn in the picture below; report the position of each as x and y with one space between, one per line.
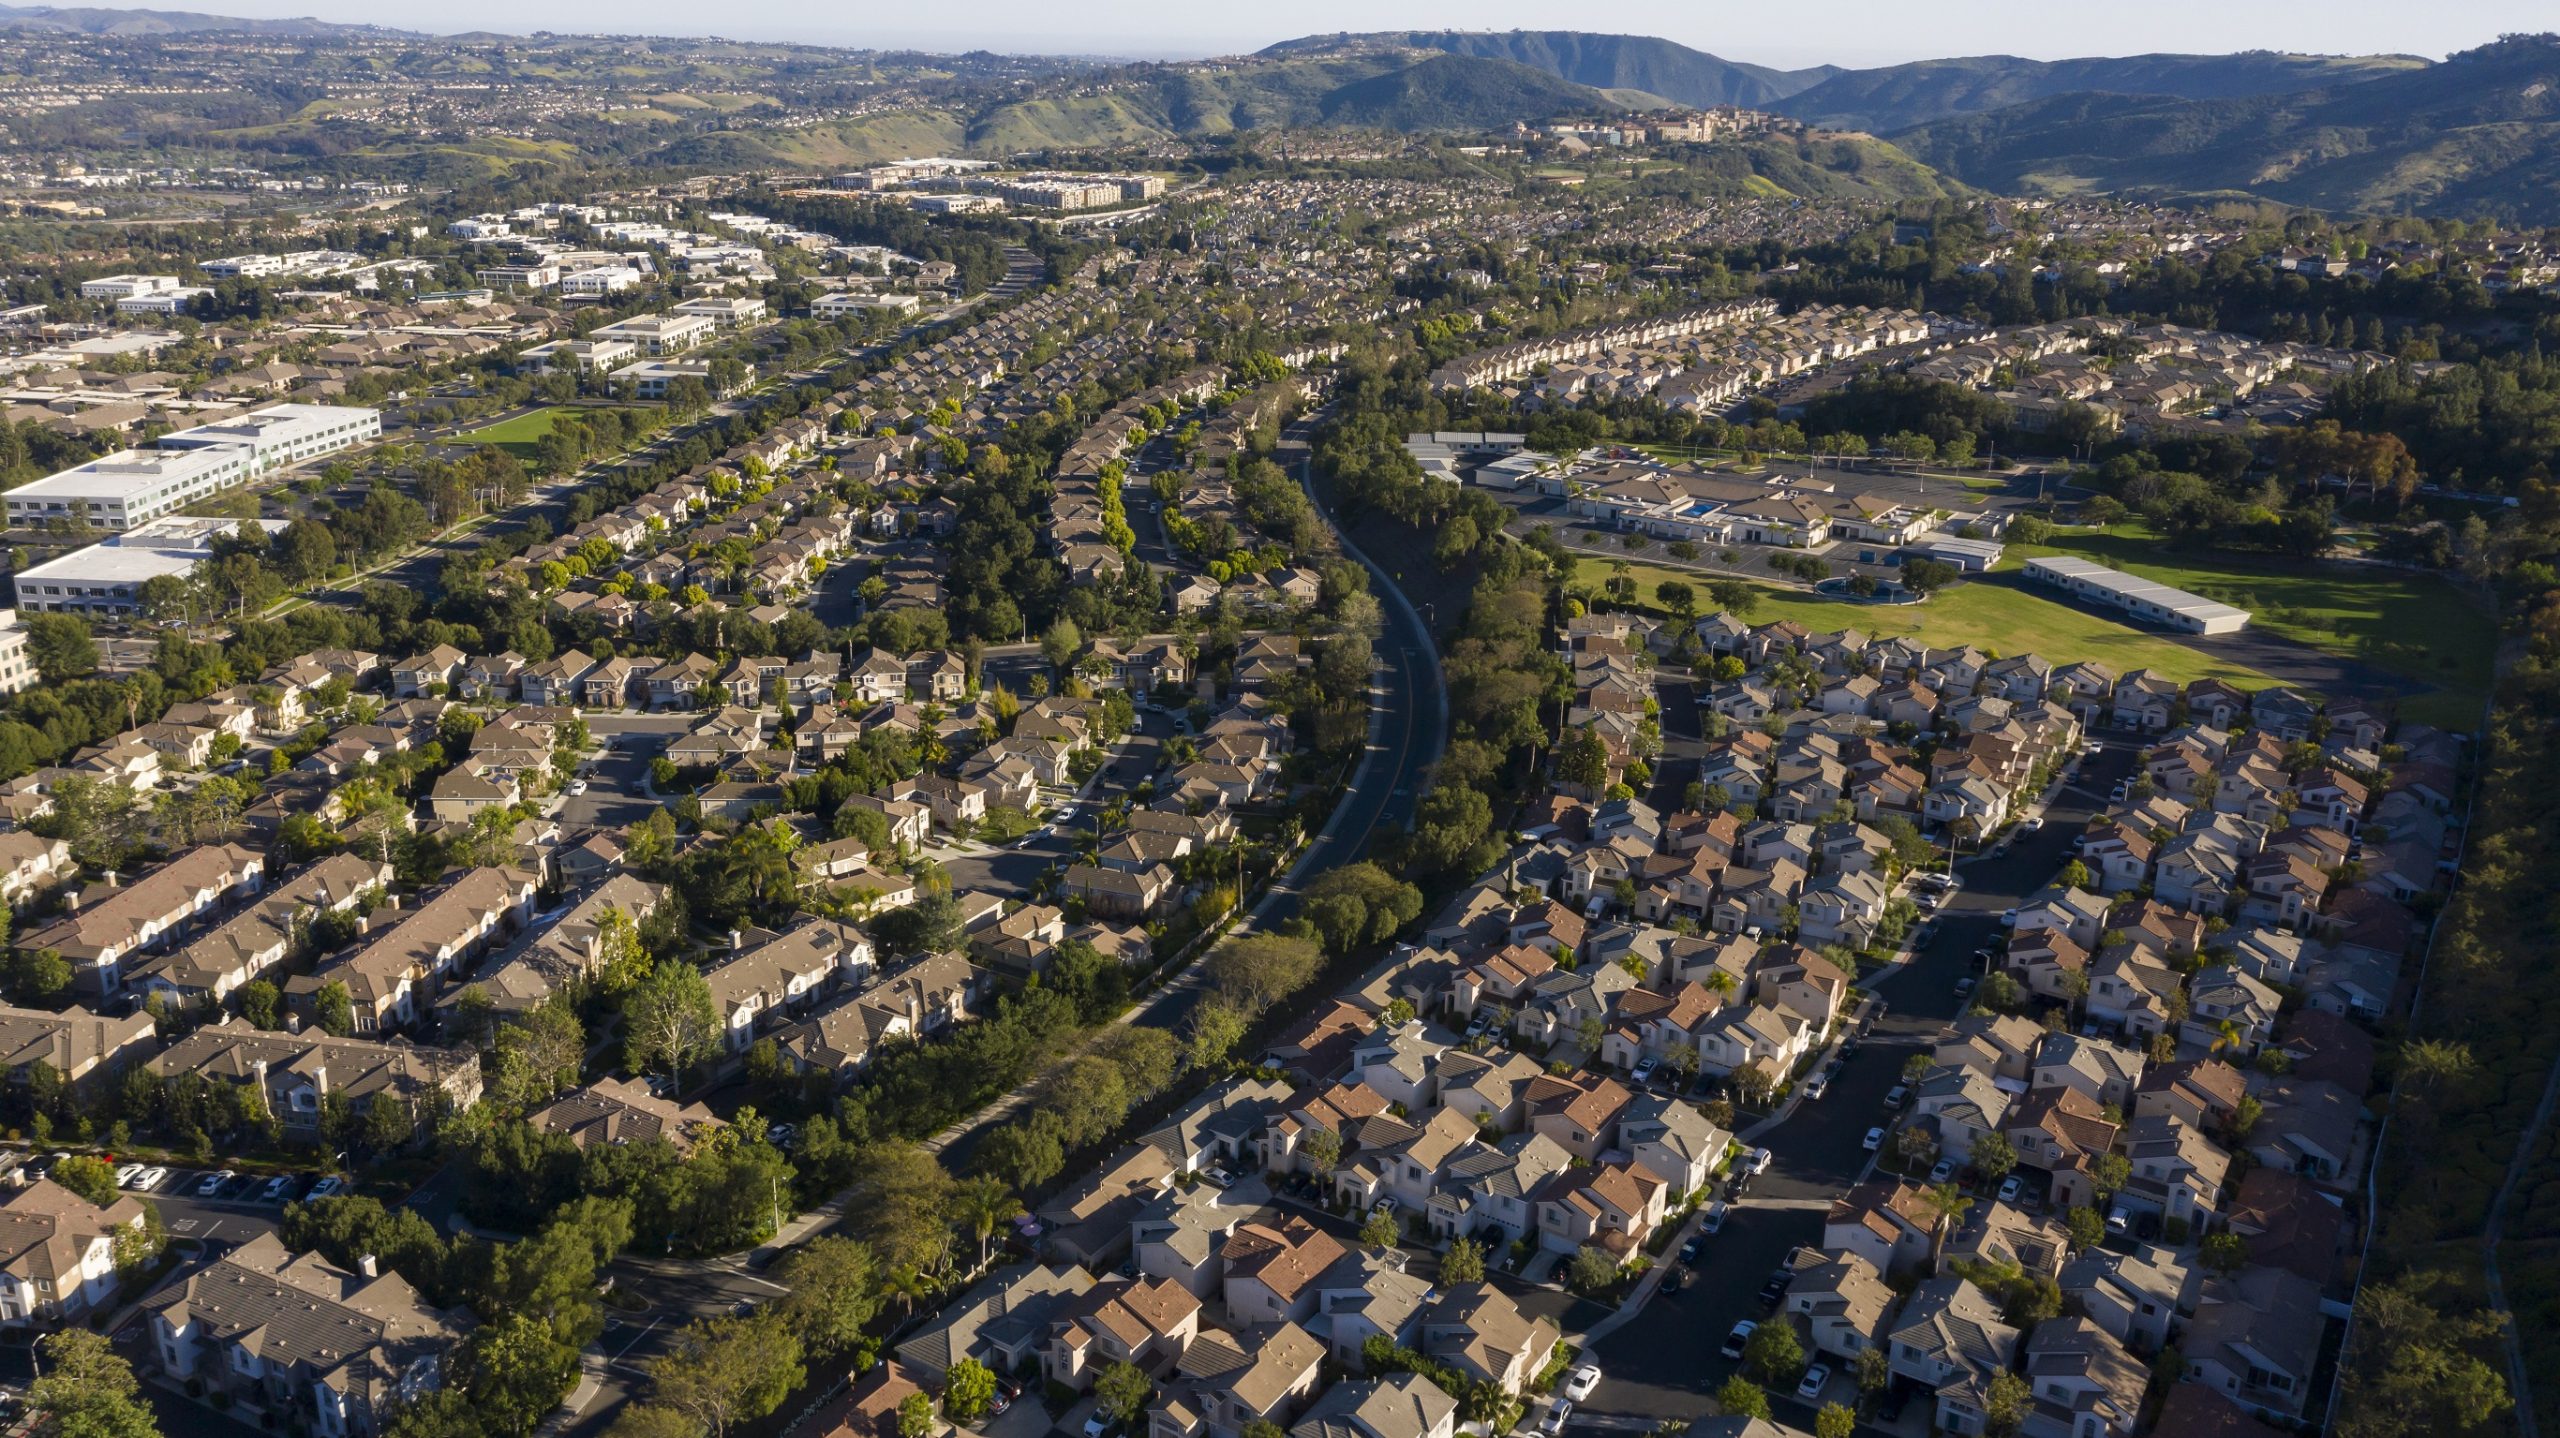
1997 621
516 436
2420 626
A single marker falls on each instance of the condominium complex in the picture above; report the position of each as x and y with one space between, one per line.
17 671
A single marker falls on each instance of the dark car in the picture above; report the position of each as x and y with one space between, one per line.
1691 1251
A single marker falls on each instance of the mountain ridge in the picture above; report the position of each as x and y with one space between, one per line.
1656 66
1897 97
106 23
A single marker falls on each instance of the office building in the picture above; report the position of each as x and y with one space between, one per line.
2143 598
107 577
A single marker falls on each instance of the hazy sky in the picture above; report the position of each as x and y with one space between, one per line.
1844 32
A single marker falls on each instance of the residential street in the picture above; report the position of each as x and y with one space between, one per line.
1663 1365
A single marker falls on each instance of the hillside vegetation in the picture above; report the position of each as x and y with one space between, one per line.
1606 62
2476 135
1900 96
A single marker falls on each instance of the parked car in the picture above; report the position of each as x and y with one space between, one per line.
1964 986
1874 1140
1643 1071
1554 1422
1712 1221
151 1178
1810 1388
577 786
1739 1338
1756 1161
2011 1187
1894 1096
326 1187
212 1183
1942 1171
1694 1249
127 1174
276 1189
2119 1219
1217 1177
1816 1086
1579 1382
1096 1424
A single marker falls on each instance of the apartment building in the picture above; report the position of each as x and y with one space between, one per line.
17 670
296 1070
58 1251
111 921
330 1349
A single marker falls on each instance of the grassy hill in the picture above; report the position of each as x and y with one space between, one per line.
79 20
1604 62
1897 97
2478 134
1455 92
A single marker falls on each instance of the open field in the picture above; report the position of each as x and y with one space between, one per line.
517 436
2421 626
1997 621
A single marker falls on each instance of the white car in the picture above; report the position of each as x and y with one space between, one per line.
2010 1188
1816 1086
1554 1422
212 1183
1643 1071
127 1174
1579 1383
1811 1386
150 1178
1757 1161
1739 1338
577 786
1942 1171
1874 1139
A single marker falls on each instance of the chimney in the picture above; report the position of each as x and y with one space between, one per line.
368 1267
734 944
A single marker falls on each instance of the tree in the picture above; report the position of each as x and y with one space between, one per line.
2088 1230
2413 1367
2109 1173
1742 1398
1947 1206
1923 575
1774 1352
1836 1420
835 1293
539 1054
1994 1157
515 1371
60 645
261 1004
1582 760
983 1204
1379 1229
669 1020
967 1389
1874 1373
728 1370
1060 643
2224 1251
1592 1269
1463 1263
2004 1406
334 1008
1216 1029
1255 973
915 1416
1122 1390
1323 1148
87 1391
89 1176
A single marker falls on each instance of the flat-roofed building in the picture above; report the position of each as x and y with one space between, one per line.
107 577
133 486
659 335
2162 604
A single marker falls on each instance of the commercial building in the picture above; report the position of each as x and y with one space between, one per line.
125 287
2148 599
17 671
107 577
131 487
726 311
659 335
848 302
598 282
576 355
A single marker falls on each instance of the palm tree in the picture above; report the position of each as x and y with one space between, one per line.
984 1203
1947 1206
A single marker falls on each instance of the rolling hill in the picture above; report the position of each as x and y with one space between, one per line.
1604 62
78 20
1455 92
2476 135
1897 97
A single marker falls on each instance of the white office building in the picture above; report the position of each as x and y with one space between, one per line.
598 282
576 355
107 577
658 335
727 311
134 486
852 302
17 670
163 302
651 379
2149 599
283 434
125 287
